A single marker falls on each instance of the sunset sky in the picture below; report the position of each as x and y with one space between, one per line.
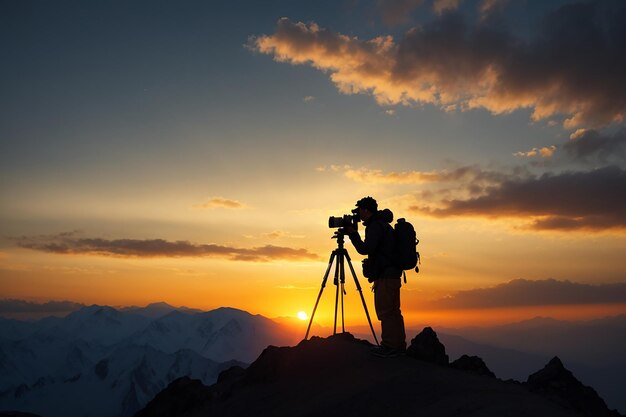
192 152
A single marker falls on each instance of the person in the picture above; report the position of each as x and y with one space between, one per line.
379 269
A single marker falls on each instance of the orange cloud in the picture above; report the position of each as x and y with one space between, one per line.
219 202
545 152
378 176
70 244
452 63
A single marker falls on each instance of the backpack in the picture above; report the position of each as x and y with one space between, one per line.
406 254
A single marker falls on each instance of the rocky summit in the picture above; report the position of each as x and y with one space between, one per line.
338 376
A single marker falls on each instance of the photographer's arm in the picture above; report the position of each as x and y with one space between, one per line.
373 234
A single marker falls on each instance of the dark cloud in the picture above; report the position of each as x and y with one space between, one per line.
11 306
591 145
69 243
521 292
573 67
593 200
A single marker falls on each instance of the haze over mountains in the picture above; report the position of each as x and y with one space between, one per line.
111 362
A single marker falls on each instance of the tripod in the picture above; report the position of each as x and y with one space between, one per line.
339 280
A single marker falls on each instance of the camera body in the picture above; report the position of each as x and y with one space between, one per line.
345 220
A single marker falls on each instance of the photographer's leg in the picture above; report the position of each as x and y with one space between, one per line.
387 302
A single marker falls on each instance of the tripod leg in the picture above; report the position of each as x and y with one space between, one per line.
336 282
330 263
342 279
358 287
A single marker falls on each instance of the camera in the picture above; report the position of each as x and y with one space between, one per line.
345 220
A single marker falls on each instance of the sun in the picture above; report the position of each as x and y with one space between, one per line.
302 315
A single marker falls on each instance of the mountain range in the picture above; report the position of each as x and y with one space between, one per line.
110 362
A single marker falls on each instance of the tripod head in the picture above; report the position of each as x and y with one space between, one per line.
340 236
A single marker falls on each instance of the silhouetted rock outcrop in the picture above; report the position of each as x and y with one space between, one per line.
472 364
180 398
230 374
427 347
339 376
559 384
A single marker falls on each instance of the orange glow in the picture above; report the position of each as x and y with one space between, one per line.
496 316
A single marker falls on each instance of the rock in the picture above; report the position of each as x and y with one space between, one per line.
231 374
427 347
181 397
472 364
340 376
560 385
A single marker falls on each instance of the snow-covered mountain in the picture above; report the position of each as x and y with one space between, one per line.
222 334
11 329
110 362
58 348
117 385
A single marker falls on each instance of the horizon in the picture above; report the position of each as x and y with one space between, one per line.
193 153
359 327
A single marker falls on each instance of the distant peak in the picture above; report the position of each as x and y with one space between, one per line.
159 304
96 309
557 381
556 362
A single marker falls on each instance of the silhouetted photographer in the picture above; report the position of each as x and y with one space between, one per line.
380 268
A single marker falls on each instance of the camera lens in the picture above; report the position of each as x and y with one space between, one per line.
334 222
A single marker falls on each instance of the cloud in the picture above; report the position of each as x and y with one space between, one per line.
574 67
69 244
592 200
220 202
521 292
440 6
396 12
545 152
333 168
277 234
11 306
487 7
308 98
466 173
587 145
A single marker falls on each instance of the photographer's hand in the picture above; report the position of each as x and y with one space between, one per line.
348 230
